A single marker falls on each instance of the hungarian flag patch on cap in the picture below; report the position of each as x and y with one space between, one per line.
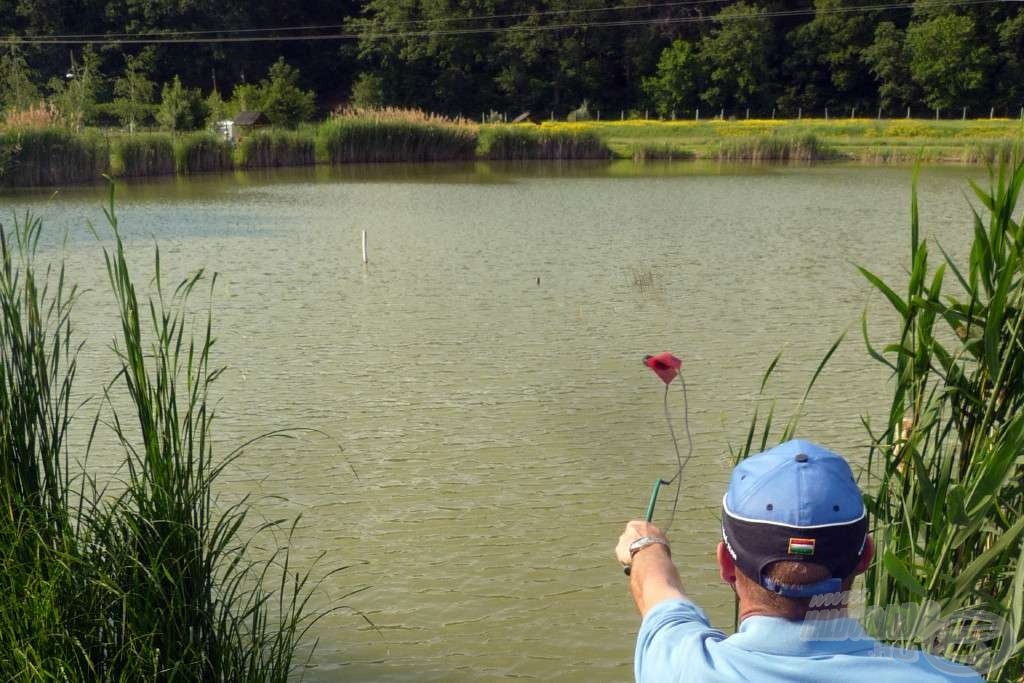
801 546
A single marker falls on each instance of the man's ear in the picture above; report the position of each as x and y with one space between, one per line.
865 557
726 565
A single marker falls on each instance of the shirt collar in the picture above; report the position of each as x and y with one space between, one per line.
814 636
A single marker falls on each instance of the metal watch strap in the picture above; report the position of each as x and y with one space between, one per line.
646 541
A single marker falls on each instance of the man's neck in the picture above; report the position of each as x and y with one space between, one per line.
757 610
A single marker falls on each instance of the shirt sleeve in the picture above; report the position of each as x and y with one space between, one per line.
671 643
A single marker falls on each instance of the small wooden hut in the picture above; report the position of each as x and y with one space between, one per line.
246 122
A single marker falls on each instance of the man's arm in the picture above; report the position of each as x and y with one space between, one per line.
653 577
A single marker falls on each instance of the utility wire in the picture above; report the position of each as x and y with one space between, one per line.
410 22
483 30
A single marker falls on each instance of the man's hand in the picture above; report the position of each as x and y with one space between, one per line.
634 530
653 578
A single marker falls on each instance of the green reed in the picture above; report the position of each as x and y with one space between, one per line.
384 136
144 154
805 147
665 151
202 152
525 141
271 148
945 471
156 582
51 156
944 479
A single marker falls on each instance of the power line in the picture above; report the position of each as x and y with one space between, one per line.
316 27
519 28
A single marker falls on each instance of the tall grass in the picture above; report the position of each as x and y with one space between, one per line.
993 151
52 156
947 477
145 154
202 153
157 582
525 141
649 151
805 147
393 135
270 148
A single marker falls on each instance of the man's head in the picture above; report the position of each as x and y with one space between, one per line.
793 526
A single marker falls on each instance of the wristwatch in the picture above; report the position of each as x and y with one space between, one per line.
645 541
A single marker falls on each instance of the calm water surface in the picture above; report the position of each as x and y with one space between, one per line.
482 374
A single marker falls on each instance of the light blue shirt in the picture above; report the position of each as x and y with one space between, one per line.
676 643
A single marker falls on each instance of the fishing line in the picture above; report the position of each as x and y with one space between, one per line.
675 444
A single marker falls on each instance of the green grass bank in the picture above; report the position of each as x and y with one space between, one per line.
54 156
863 140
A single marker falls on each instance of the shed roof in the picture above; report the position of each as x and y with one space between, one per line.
251 118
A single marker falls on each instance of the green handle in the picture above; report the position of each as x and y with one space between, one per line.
654 499
650 507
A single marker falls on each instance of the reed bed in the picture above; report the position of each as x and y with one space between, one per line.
272 148
993 152
155 583
145 154
521 142
51 156
665 151
202 153
774 148
395 135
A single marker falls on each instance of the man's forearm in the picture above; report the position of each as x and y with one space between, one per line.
653 578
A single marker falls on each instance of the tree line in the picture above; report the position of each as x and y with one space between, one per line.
168 62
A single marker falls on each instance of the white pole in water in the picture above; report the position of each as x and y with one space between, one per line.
365 260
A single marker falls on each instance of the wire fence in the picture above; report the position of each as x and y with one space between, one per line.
749 113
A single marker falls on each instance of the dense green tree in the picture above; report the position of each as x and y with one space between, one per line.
472 56
1009 89
245 97
948 61
676 85
77 92
180 108
823 62
216 109
17 86
133 91
368 90
281 99
736 54
889 61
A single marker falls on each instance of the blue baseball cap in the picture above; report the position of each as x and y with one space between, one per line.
797 502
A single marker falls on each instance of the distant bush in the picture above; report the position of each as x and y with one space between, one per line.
581 113
180 108
368 91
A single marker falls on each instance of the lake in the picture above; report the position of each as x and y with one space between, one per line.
487 424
